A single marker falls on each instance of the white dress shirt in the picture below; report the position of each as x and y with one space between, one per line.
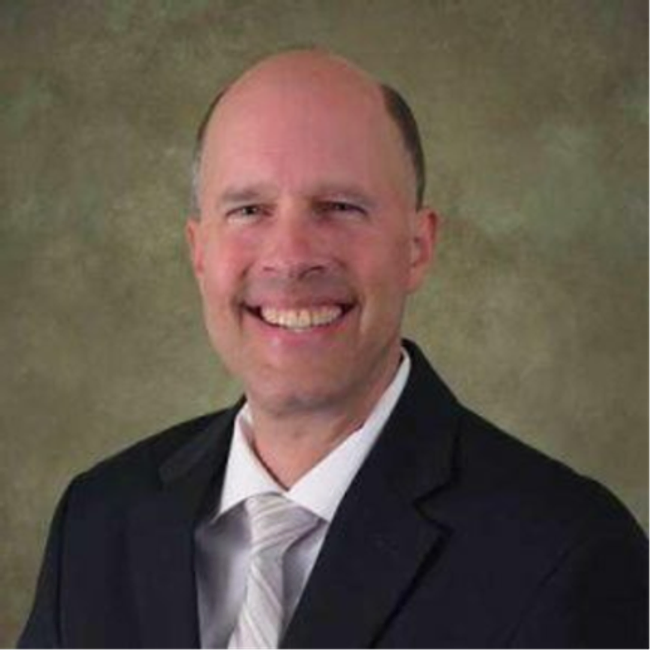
223 539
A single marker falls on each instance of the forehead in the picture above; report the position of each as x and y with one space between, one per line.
302 81
295 126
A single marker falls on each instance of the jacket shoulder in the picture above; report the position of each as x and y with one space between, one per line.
135 469
525 485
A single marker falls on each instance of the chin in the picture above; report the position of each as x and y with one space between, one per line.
293 400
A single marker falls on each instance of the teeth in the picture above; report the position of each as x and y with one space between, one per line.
301 319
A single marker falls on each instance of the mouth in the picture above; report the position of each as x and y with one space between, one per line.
300 319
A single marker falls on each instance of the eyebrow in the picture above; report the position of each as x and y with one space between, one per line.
244 193
326 190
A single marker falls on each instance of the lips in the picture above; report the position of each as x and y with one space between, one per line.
301 318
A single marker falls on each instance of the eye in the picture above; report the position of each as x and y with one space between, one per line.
341 207
245 212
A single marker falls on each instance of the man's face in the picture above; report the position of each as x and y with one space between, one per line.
308 241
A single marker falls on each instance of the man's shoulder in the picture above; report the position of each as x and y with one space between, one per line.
136 469
512 482
498 481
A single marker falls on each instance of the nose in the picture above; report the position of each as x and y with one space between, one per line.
293 245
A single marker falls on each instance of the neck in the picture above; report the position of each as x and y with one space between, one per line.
290 443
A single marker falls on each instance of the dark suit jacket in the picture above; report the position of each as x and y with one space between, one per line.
453 534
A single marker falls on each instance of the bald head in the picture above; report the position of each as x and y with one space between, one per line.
307 78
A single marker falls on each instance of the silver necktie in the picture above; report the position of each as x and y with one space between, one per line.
275 524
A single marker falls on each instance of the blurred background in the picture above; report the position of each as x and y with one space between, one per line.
534 116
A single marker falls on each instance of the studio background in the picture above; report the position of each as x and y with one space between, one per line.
534 117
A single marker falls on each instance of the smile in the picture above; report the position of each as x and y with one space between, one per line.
301 319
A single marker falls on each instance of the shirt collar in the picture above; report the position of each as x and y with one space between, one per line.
322 488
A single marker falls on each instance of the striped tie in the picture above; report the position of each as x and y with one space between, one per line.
275 524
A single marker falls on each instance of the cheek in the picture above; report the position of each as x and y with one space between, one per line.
223 268
385 272
397 262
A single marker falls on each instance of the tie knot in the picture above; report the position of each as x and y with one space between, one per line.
276 523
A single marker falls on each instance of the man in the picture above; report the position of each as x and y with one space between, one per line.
349 500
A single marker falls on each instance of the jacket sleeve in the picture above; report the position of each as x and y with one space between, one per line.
596 598
42 629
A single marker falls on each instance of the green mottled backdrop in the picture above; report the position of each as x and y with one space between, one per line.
534 114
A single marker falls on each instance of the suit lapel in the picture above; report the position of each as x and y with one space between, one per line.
379 540
161 543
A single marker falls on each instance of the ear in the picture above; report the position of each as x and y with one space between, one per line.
193 234
423 241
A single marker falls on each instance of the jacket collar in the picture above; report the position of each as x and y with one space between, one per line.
381 536
161 537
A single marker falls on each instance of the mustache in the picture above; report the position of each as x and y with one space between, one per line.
311 288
